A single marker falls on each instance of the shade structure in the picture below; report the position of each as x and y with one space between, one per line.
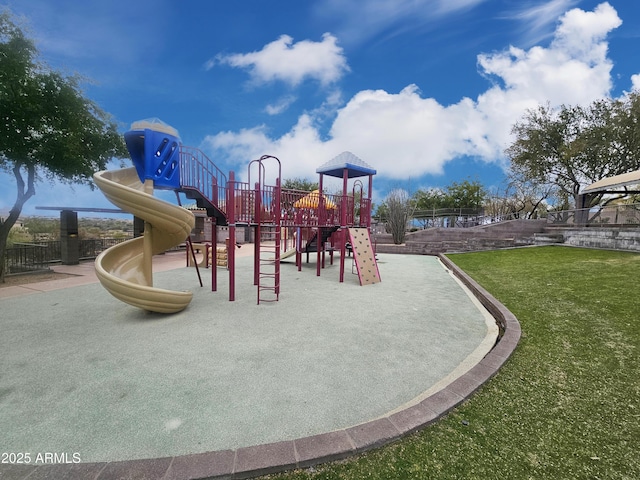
354 166
617 181
312 200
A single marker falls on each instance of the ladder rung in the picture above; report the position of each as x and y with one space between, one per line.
268 264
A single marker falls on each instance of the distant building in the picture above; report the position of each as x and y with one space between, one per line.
4 214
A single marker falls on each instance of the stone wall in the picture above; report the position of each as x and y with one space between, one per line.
486 237
515 233
614 238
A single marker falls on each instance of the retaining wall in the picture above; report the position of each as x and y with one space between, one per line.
514 233
614 238
432 241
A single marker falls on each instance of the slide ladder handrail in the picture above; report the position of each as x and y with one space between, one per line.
198 172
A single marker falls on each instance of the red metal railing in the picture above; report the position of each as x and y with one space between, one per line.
199 173
295 207
309 209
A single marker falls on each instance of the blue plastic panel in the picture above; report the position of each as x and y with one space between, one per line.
156 156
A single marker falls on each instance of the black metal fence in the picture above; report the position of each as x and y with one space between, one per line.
31 257
26 257
92 248
459 218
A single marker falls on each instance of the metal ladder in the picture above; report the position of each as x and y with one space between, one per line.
269 264
266 214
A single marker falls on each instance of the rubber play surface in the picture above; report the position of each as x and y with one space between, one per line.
84 373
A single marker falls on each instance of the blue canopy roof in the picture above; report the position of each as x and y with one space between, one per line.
346 160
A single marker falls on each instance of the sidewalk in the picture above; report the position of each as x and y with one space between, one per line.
84 273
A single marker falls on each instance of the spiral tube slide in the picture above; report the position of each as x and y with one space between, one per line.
125 269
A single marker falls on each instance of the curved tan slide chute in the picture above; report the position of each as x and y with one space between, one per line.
125 269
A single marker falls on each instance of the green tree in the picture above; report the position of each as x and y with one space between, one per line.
467 194
48 128
428 202
574 146
430 199
526 197
299 184
381 212
433 204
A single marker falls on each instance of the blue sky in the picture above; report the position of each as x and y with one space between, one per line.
425 91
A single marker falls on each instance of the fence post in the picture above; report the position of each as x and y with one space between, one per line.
69 246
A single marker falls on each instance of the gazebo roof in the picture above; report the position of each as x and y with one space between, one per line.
607 183
346 160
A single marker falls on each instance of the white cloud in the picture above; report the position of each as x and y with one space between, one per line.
577 53
414 135
292 63
635 82
239 146
365 20
406 135
301 147
581 34
281 105
540 18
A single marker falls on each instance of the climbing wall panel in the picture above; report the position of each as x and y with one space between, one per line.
364 256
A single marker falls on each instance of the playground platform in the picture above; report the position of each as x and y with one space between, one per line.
234 389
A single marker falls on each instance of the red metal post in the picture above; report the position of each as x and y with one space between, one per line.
277 198
321 222
256 246
231 220
369 206
343 222
299 248
318 253
214 255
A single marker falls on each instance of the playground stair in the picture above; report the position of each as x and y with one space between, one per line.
364 256
202 202
203 182
312 243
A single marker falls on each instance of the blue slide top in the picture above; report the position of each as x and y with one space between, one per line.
154 147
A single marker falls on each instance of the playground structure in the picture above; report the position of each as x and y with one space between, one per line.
162 162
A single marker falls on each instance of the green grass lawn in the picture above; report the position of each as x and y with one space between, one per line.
567 403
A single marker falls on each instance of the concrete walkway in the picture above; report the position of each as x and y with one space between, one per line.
233 388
